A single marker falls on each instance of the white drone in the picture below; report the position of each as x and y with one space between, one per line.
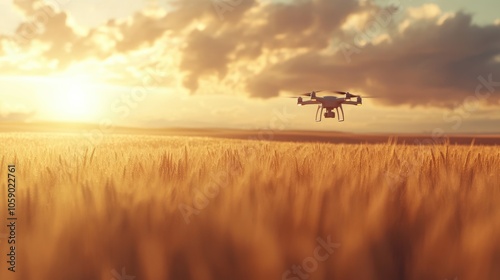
329 103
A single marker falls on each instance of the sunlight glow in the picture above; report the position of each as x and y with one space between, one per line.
73 102
76 103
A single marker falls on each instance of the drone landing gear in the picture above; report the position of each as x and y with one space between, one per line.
318 116
340 118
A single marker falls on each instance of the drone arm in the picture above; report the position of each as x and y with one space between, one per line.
310 102
350 103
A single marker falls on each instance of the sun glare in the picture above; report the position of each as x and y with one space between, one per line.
74 102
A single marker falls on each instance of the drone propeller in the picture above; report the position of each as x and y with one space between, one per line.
340 92
350 95
310 93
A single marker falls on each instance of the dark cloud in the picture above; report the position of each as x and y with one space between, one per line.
205 54
143 30
426 64
298 24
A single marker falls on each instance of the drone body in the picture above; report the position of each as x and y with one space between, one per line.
329 103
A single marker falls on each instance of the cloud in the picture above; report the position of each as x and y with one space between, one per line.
206 52
263 48
293 25
142 30
25 6
17 117
427 64
15 113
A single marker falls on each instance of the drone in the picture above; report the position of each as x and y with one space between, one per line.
330 102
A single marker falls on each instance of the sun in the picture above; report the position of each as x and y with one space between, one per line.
73 102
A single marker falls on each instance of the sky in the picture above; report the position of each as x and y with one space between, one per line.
435 65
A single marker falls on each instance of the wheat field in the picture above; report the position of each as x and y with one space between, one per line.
162 207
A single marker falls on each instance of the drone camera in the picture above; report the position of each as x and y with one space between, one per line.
299 101
329 115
